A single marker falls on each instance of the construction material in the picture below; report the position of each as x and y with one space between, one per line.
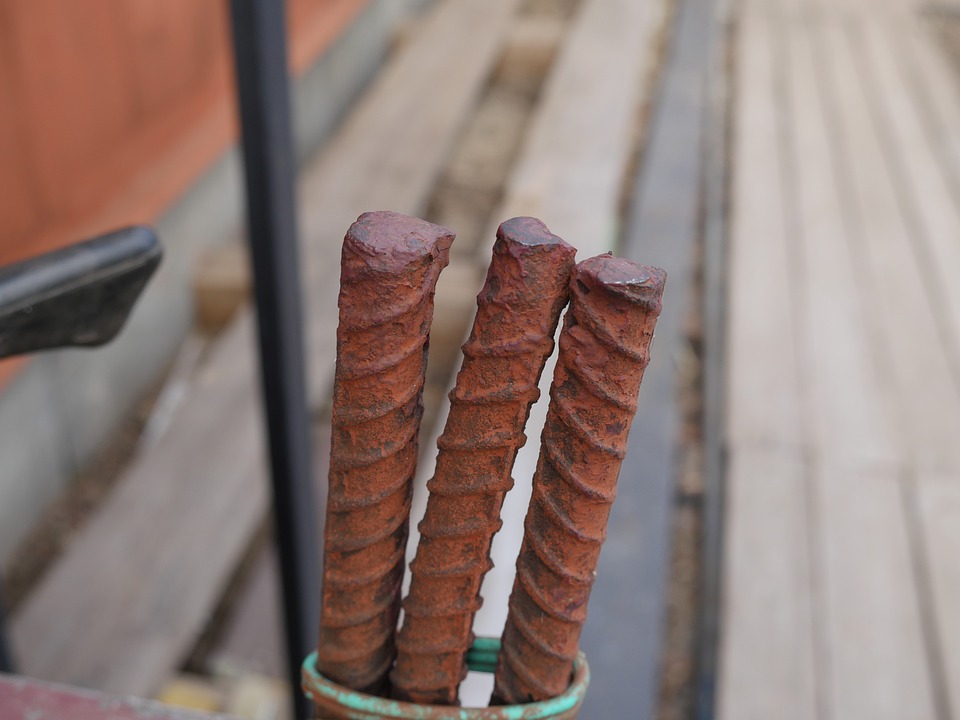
259 698
389 271
841 386
192 692
529 50
583 132
517 314
221 286
604 349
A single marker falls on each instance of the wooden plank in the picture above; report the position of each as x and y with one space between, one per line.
921 182
939 514
762 355
929 79
877 662
767 652
251 640
910 345
864 381
869 574
120 609
221 286
933 82
767 666
581 136
530 49
850 411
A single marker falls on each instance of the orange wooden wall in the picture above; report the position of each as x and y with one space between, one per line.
109 109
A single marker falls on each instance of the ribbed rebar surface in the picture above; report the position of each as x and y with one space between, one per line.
389 269
604 349
517 314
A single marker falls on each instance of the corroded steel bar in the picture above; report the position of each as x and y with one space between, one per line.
389 270
517 314
604 348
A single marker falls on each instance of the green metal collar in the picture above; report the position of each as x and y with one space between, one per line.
341 703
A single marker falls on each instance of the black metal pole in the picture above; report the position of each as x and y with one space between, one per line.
259 38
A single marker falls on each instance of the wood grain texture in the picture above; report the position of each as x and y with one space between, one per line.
875 661
903 311
767 663
122 606
922 180
857 447
938 509
579 141
860 148
762 349
851 417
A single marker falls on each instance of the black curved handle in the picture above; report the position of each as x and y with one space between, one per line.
78 296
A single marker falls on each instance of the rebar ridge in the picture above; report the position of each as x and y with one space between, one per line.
517 314
604 349
389 269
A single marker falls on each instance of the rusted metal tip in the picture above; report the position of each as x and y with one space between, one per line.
389 270
637 284
531 232
389 241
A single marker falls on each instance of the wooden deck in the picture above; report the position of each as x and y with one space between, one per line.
841 571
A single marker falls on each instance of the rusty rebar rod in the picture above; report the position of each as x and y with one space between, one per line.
389 270
517 314
604 349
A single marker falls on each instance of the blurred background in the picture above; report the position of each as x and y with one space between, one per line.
784 539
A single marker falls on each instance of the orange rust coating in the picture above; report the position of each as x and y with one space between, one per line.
604 349
517 314
389 270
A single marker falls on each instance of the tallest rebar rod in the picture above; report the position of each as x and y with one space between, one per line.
517 314
389 272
